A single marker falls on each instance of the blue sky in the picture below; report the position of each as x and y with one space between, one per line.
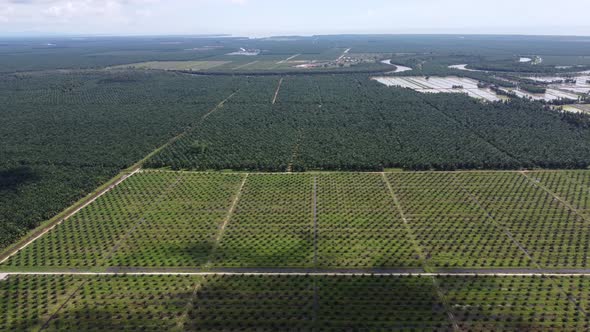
305 17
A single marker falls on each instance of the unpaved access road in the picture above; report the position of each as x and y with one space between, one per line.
274 99
57 222
305 272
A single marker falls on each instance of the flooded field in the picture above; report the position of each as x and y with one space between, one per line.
551 94
581 85
453 84
450 84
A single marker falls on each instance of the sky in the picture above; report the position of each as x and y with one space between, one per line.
257 18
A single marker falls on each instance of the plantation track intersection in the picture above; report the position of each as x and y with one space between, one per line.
321 183
317 222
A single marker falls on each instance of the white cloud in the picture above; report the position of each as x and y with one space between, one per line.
41 14
6 13
263 17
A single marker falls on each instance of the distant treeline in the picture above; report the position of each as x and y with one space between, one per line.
348 122
364 69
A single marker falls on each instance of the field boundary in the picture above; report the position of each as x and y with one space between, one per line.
65 302
472 131
231 210
183 133
215 109
441 296
555 196
502 227
274 99
398 207
295 150
344 54
305 273
312 172
121 241
191 302
221 229
46 226
508 233
288 59
314 213
65 215
420 251
245 65
279 72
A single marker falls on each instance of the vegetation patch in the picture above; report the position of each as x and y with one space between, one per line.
484 220
359 302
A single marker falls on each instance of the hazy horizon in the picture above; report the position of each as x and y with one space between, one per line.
261 18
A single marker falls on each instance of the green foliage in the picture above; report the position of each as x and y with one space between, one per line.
65 134
28 301
532 88
358 224
351 123
154 219
120 303
523 132
199 147
578 120
544 226
516 304
450 227
278 303
162 219
272 225
571 186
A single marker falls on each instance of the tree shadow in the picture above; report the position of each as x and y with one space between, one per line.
252 303
281 303
379 303
12 178
288 252
162 255
493 303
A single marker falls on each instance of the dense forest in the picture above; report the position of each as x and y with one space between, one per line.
351 123
62 135
65 132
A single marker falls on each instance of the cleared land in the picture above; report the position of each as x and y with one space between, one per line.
578 108
440 85
469 86
174 65
430 221
581 85
551 94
